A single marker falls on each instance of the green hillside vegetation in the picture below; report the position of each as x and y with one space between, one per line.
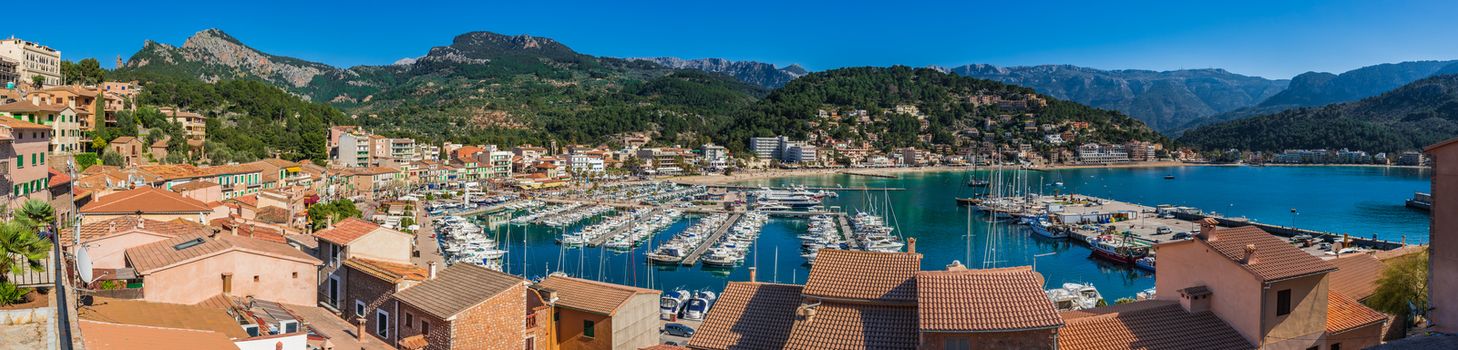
1414 115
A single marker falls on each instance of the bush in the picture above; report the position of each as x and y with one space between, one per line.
85 160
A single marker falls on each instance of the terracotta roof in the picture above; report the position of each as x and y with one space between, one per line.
144 200
1147 325
160 255
852 326
231 169
1344 313
20 124
847 274
1274 259
591 296
1356 275
103 335
25 106
72 89
388 271
129 223
272 214
192 185
1386 255
414 342
456 289
161 315
348 230
249 230
250 200
56 177
749 315
663 347
984 300
123 139
171 171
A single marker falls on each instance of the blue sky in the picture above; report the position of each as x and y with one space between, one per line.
1274 39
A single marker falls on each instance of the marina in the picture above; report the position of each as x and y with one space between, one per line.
924 210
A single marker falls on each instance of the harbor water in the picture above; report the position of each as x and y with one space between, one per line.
1357 200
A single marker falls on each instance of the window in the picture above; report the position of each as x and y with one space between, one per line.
588 330
255 278
382 324
531 343
1283 302
409 320
359 308
424 327
296 274
957 344
531 321
1337 346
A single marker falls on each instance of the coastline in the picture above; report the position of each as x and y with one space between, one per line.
784 173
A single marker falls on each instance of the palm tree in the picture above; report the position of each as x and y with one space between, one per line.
20 249
36 214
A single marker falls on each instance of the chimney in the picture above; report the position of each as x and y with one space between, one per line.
1249 258
1336 248
111 227
35 100
359 329
1207 228
141 223
430 274
911 245
752 273
233 227
1195 299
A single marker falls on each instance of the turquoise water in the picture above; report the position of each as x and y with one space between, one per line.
1357 200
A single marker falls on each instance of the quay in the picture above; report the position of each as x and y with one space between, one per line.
845 232
693 257
599 240
859 188
1089 215
856 173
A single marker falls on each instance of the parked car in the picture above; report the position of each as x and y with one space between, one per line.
678 329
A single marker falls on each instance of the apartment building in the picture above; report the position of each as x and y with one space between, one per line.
8 75
464 306
352 151
194 268
33 60
715 157
62 119
194 126
596 315
23 147
355 238
1443 237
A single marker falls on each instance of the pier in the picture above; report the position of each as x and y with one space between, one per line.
845 232
599 240
693 257
856 173
743 187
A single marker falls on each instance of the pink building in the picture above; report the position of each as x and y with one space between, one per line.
1443 239
106 242
194 268
23 147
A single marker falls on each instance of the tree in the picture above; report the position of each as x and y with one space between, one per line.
18 240
321 215
36 214
86 72
38 81
98 144
1403 284
112 159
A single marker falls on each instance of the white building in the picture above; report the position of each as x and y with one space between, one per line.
1053 139
800 153
585 164
768 147
715 157
1093 153
353 151
34 59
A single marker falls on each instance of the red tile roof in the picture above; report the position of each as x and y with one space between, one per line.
159 255
1356 275
855 326
846 274
144 200
1147 325
388 271
456 289
192 185
348 230
130 223
25 106
20 124
1344 313
984 300
57 177
591 296
749 315
103 335
1274 259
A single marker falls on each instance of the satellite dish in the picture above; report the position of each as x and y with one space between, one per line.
83 264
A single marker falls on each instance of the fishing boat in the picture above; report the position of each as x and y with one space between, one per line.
699 305
1169 177
1121 250
978 183
667 255
1045 229
968 201
1146 263
1075 296
671 304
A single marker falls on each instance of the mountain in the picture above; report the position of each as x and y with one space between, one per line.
1407 118
1165 100
512 89
758 73
1316 89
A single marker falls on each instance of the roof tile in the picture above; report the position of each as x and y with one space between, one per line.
1344 313
456 289
1147 325
144 200
749 315
1274 259
591 296
846 274
984 300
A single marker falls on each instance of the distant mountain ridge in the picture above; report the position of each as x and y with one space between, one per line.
1406 118
758 73
1166 100
1317 88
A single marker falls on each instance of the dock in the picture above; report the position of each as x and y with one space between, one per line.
617 231
847 233
693 257
861 188
856 173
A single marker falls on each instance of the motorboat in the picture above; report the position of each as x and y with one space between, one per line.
1075 296
698 306
671 304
